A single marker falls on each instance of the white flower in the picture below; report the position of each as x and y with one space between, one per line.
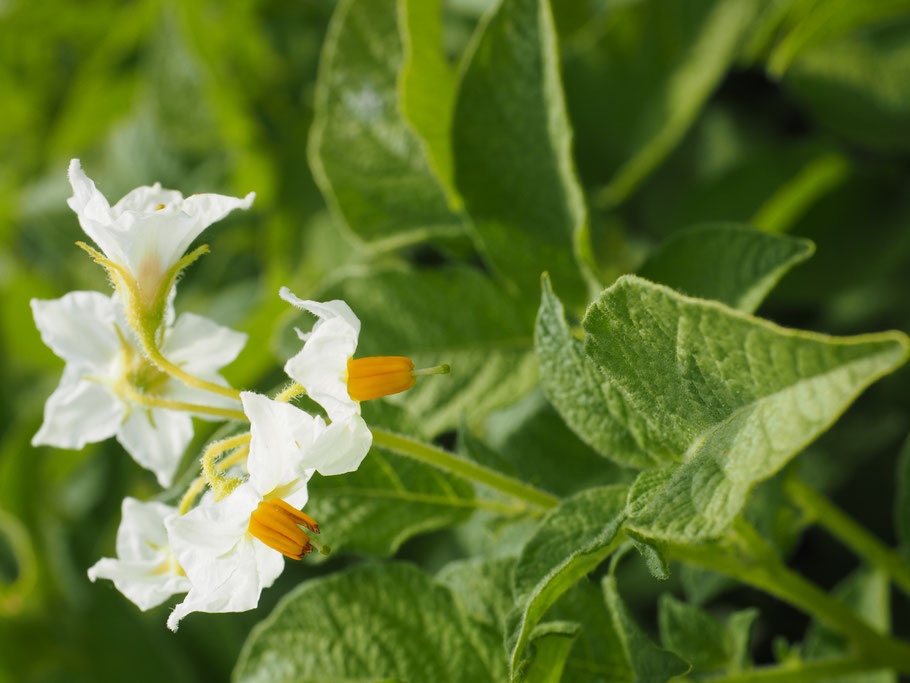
149 229
232 549
106 377
321 367
145 569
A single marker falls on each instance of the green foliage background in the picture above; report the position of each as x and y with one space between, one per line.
430 189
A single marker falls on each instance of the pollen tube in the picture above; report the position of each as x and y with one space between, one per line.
377 376
277 524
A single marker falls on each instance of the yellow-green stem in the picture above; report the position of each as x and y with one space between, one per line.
772 576
149 345
144 399
213 477
197 487
466 469
290 392
822 511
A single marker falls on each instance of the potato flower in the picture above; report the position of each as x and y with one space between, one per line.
109 388
145 570
234 547
326 368
144 236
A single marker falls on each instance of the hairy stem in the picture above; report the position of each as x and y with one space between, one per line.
853 535
144 399
213 476
449 462
150 346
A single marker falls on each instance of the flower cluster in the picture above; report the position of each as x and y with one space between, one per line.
136 371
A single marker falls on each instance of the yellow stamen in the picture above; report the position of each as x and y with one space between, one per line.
379 376
277 524
159 207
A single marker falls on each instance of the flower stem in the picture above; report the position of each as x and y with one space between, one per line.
194 490
290 392
213 476
817 670
768 573
146 400
466 469
822 511
150 346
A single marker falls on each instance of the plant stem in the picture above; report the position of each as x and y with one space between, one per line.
290 392
466 469
771 575
151 350
146 400
822 511
822 669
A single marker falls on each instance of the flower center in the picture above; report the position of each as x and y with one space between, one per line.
377 376
277 524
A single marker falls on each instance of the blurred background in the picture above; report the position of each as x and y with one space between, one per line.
800 125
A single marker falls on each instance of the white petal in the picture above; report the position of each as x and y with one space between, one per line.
341 447
156 439
269 563
141 534
139 581
147 199
326 310
238 590
200 345
321 367
282 436
211 531
94 213
79 327
79 412
186 222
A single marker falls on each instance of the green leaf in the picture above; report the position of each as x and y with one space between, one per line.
571 541
388 500
580 392
809 24
700 638
688 51
831 81
733 397
653 556
484 587
529 441
598 653
450 315
650 663
868 593
902 499
368 159
550 645
375 622
513 161
427 85
730 263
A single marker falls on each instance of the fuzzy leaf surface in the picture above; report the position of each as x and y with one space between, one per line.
650 663
727 262
372 623
513 159
368 159
732 397
580 392
571 541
